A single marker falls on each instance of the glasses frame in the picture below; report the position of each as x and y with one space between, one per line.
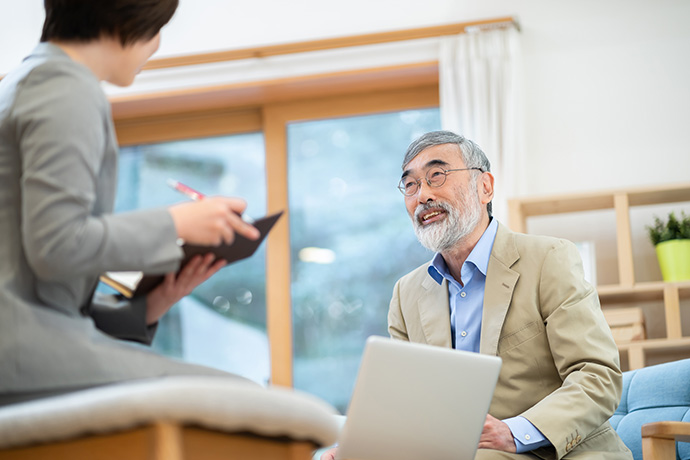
401 185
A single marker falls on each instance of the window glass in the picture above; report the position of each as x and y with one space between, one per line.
223 322
351 240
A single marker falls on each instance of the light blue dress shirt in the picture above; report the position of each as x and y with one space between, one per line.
466 305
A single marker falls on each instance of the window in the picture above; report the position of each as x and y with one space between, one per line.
406 101
350 238
223 323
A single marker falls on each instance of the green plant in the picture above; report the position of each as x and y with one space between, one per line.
673 229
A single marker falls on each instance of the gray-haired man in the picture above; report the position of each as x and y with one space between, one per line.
520 297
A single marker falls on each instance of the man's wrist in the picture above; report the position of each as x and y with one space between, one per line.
525 435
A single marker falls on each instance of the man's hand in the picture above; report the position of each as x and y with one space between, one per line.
329 454
496 435
173 288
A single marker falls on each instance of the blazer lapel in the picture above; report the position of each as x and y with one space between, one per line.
498 290
434 312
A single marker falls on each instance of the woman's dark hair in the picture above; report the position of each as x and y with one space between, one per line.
85 20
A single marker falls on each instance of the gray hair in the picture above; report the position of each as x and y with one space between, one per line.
472 155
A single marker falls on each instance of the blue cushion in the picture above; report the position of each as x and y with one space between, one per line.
659 386
653 394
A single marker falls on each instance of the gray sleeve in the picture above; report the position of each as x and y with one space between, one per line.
67 190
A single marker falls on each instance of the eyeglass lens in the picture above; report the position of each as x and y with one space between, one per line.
435 177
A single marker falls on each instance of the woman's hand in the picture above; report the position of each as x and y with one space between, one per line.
173 288
212 221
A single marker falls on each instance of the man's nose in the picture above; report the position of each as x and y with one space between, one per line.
425 192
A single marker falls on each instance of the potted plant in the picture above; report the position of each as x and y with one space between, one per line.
672 242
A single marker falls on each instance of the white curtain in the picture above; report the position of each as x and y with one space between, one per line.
479 91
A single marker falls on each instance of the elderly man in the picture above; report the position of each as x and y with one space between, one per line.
520 297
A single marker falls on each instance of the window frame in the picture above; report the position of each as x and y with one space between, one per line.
269 107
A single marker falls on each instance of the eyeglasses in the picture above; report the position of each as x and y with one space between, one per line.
435 177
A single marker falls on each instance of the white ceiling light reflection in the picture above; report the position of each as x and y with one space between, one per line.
317 255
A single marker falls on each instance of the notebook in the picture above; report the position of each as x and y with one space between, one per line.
138 283
416 402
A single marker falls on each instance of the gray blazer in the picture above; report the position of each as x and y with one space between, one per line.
58 164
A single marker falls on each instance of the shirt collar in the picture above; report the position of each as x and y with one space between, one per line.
479 256
437 268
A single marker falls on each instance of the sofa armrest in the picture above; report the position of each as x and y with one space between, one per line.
659 439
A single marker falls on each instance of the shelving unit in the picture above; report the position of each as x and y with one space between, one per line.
627 290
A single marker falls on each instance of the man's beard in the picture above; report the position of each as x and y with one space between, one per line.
457 225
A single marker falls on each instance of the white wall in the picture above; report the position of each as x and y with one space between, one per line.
606 82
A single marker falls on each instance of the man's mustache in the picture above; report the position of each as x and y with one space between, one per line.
430 206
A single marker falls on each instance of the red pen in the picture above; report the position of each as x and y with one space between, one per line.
190 192
196 196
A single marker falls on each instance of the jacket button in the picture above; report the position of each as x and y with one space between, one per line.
568 446
578 439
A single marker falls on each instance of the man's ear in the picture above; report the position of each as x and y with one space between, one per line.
486 187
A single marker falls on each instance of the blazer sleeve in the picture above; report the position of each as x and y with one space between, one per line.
396 321
583 351
68 230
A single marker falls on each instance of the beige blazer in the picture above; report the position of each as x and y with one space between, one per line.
560 364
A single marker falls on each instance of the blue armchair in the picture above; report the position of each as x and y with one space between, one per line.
659 393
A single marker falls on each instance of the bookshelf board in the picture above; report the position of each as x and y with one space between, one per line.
627 290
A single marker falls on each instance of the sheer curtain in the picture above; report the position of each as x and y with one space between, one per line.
479 91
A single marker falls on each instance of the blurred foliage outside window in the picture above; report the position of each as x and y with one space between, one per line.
223 322
351 240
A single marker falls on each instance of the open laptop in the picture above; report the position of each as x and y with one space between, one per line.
417 402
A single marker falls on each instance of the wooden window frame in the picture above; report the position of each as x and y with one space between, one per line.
276 117
272 119
268 107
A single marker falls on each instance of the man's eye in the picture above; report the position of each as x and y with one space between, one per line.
409 184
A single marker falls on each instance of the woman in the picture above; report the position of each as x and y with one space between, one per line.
58 162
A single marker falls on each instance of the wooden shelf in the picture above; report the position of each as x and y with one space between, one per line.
558 204
640 292
627 291
637 351
681 344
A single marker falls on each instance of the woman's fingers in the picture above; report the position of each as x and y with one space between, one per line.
198 270
212 221
241 227
174 287
237 205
